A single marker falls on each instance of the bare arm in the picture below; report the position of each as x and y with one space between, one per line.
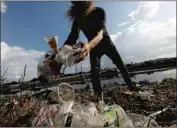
96 40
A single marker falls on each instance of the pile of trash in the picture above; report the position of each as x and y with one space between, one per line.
72 114
80 108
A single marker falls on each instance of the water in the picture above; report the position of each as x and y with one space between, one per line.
156 76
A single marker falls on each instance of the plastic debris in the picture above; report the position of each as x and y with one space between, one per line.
44 70
45 116
143 121
145 95
52 42
66 55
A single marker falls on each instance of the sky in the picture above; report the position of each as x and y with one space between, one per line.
140 30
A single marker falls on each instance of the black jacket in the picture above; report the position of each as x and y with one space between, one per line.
90 25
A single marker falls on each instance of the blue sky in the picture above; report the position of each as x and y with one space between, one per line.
26 23
140 31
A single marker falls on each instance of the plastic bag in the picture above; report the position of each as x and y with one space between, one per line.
65 55
44 70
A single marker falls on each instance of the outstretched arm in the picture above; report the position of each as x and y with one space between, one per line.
74 34
96 40
100 21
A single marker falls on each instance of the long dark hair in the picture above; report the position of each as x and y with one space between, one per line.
76 11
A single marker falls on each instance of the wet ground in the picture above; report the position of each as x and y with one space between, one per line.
163 96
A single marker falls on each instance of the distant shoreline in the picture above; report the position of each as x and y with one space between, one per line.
73 81
134 68
147 67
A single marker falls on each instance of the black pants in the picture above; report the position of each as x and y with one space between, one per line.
109 49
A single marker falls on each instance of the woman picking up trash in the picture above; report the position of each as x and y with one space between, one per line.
91 20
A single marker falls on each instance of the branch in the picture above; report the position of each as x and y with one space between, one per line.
5 72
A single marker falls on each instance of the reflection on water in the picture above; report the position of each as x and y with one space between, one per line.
156 76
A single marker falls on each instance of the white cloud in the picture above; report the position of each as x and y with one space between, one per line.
146 10
114 37
3 7
15 58
148 40
144 39
148 37
123 24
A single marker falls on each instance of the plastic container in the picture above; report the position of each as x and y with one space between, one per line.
66 95
89 117
52 42
89 108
